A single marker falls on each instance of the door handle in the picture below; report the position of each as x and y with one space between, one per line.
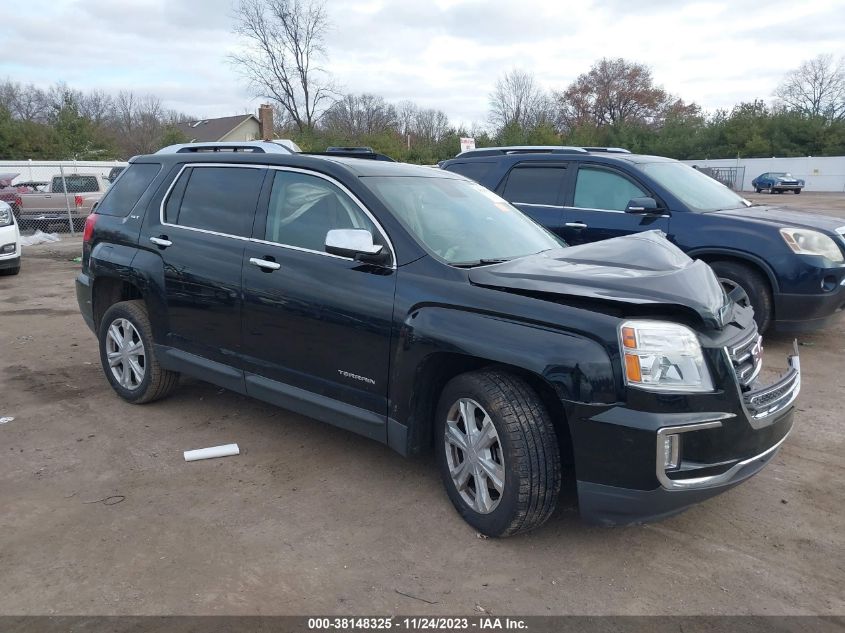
162 241
265 264
575 225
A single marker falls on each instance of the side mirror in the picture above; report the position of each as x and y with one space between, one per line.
641 205
355 243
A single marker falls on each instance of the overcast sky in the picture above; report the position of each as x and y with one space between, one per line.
444 54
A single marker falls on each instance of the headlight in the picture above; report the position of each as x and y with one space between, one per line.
807 242
5 214
663 356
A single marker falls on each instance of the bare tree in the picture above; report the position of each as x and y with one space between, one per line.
518 100
816 88
284 41
430 126
406 113
25 102
354 116
613 91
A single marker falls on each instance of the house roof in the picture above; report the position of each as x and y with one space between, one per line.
205 130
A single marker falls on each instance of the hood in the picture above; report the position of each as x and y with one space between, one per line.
644 268
781 217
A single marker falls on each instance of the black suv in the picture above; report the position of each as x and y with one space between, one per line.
417 308
790 264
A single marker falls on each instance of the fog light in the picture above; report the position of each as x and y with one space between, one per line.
8 248
671 451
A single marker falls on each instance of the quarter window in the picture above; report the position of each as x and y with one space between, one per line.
124 194
304 208
219 199
534 185
604 189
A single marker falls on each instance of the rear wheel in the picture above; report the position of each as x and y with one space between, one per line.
128 357
797 191
498 452
755 285
11 271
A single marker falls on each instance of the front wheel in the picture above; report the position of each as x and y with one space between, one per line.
797 191
498 452
755 285
128 357
758 189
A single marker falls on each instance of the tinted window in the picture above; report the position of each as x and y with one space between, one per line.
603 189
124 194
76 184
534 185
220 199
476 171
303 209
694 189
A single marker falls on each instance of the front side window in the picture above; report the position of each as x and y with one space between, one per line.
460 221
304 208
534 185
219 199
603 189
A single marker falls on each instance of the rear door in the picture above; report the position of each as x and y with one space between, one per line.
537 189
596 202
316 326
200 233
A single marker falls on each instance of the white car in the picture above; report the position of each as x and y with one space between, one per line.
10 242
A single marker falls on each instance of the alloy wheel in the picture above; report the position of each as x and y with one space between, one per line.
125 354
474 455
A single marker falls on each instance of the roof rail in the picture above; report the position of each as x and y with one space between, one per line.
522 149
352 152
609 150
252 147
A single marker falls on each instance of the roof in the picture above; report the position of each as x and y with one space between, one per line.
205 130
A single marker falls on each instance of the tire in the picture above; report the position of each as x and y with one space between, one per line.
524 456
8 272
797 191
758 190
154 381
755 285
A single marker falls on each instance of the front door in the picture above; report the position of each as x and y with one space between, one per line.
595 206
316 326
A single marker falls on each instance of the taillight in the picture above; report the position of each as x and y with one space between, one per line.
88 231
77 201
18 202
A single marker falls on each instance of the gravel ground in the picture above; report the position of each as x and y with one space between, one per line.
311 519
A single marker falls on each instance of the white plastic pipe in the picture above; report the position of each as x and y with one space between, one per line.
214 451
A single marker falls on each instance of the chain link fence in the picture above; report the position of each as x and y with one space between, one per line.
55 197
732 177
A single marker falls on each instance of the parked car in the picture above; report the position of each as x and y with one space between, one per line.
777 182
417 308
789 264
10 193
10 241
51 206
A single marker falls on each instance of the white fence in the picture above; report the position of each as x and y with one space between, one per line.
820 174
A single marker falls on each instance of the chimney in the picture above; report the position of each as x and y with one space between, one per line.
265 122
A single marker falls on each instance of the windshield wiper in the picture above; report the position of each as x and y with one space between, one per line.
478 262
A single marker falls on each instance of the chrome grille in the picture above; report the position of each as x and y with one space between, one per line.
747 358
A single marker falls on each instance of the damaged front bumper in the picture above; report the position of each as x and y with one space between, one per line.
695 453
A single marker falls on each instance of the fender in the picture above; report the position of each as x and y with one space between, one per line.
698 253
576 367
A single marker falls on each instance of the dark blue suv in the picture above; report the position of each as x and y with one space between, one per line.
790 264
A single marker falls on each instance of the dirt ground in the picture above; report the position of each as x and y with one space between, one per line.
311 519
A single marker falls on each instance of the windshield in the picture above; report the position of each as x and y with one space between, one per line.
460 221
694 189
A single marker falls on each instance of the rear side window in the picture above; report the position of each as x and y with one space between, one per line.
219 199
124 194
475 171
534 185
75 184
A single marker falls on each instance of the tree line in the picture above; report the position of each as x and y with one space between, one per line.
282 57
